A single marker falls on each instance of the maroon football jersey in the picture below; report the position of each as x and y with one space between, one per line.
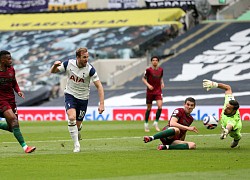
153 77
8 84
183 119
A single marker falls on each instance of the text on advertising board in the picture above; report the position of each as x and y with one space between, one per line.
137 114
42 115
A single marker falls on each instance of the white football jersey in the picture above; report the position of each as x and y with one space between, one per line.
78 79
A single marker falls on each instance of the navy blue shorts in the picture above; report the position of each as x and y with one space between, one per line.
78 104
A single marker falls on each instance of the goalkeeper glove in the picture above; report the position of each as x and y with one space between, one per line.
209 84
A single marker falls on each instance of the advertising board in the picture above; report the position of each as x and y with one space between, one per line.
136 113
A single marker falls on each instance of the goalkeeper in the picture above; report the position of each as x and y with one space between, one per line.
230 116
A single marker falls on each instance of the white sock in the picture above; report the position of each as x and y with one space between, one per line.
25 147
73 131
155 123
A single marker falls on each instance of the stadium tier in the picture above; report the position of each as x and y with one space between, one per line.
34 52
218 51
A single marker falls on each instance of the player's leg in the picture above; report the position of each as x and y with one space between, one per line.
80 113
236 135
147 113
178 144
167 132
79 127
73 130
158 113
12 121
70 106
4 124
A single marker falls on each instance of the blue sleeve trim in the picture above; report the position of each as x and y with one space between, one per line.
65 64
92 71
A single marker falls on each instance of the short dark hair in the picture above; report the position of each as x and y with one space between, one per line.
235 104
190 99
155 57
4 52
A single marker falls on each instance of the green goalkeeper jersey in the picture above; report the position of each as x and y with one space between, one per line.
234 120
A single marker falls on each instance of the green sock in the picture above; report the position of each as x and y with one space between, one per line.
158 114
4 126
18 135
147 115
164 134
179 146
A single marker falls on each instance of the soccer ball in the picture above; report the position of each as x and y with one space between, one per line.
210 122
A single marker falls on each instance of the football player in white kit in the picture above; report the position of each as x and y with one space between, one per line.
79 74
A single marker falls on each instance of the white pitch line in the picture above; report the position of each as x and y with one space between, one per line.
114 138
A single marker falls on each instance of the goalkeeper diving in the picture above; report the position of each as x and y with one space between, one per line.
230 116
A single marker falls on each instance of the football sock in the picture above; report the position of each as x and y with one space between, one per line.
147 115
179 146
158 114
4 126
18 135
73 131
80 128
165 133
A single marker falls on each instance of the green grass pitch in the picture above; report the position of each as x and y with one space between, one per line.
115 150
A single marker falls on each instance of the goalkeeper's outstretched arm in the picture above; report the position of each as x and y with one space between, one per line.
212 84
226 87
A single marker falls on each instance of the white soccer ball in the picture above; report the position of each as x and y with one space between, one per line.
210 122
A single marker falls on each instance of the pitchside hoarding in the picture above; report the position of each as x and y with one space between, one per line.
118 113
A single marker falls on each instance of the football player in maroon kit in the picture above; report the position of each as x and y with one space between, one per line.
153 79
8 85
173 135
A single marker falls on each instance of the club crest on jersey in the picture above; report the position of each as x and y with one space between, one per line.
76 79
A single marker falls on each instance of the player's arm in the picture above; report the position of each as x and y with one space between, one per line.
100 90
162 83
16 88
212 84
144 80
174 123
226 87
54 68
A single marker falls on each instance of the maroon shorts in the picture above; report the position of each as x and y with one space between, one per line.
153 97
5 105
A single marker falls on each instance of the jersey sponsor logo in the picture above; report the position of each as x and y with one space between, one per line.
76 79
137 114
6 80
